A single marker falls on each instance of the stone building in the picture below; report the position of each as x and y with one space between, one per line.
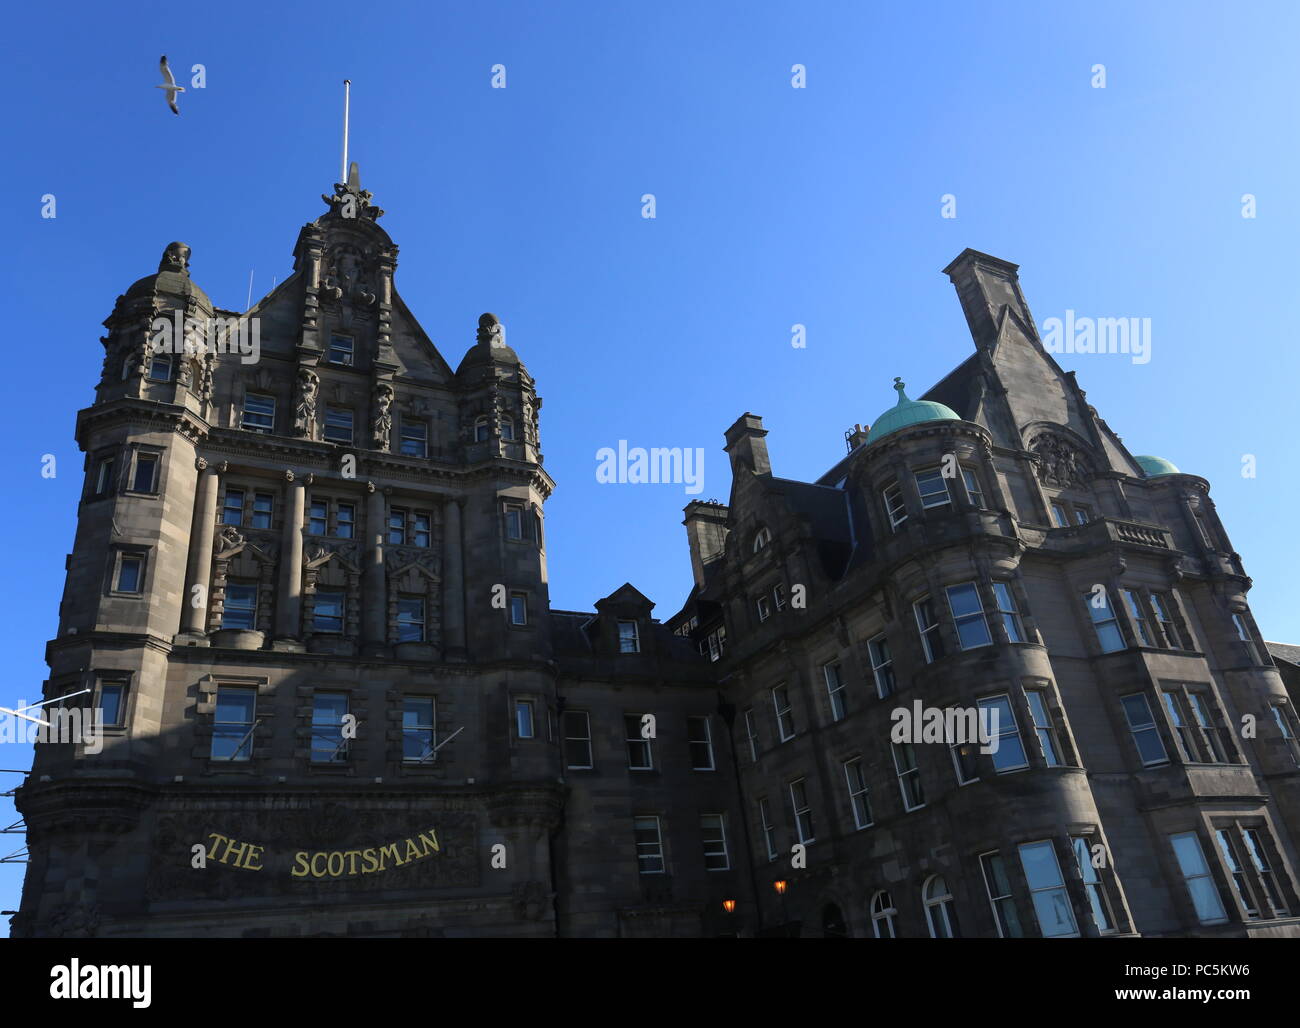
308 600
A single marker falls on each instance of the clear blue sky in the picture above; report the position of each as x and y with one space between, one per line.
776 206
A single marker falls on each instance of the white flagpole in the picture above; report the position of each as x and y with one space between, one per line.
347 100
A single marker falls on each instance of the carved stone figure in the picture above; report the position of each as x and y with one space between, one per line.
175 258
491 331
1059 462
304 418
383 423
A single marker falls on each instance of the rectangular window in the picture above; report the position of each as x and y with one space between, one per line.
778 596
112 704
410 619
1196 876
769 830
146 472
397 526
803 821
1146 737
965 760
415 438
894 506
318 518
933 488
338 425
713 830
1286 728
1043 727
649 845
232 723
104 476
232 509
1009 751
973 488
717 643
240 609
328 613
859 795
699 737
130 573
1243 633
909 776
346 519
629 641
1000 899
1059 516
1082 514
1162 604
514 521
418 738
259 413
1092 885
524 719
638 747
784 716
1104 620
1007 609
1134 604
835 690
1047 890
928 625
751 733
1236 871
577 740
764 611
328 713
1212 736
340 350
263 508
968 615
882 666
420 530
160 368
519 609
1255 845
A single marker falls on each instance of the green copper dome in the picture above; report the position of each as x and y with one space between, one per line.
1153 467
908 412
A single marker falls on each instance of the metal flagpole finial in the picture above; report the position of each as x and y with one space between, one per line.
347 102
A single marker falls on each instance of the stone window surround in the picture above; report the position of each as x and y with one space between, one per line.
205 709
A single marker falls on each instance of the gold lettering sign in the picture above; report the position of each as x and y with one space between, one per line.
327 863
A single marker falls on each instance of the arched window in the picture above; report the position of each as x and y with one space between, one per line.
481 429
761 538
507 428
833 925
882 915
939 908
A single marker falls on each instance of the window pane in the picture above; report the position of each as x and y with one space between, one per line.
110 702
128 579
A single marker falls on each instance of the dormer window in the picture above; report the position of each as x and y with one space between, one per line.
629 640
341 350
762 538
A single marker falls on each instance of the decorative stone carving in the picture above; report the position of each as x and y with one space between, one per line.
176 258
1060 463
304 419
75 920
382 428
200 463
491 331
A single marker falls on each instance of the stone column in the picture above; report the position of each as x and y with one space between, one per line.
288 621
453 583
194 620
374 592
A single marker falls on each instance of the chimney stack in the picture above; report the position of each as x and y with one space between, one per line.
746 446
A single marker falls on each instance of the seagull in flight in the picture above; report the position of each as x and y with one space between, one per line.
170 85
